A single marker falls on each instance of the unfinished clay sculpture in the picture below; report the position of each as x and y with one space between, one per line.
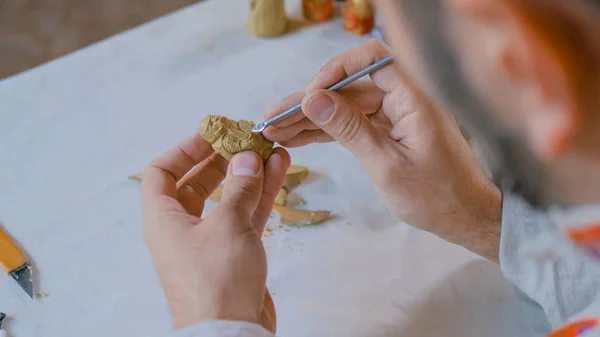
317 10
267 18
359 16
230 137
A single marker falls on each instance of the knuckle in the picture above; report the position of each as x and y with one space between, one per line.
229 212
372 44
295 97
334 63
228 220
349 129
270 195
393 167
379 47
244 191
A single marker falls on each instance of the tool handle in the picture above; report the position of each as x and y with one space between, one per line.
11 257
287 113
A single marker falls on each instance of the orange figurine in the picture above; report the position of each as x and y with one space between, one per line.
359 16
317 10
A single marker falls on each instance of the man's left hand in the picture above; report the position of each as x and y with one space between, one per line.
212 268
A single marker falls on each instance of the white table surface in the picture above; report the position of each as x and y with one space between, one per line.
72 130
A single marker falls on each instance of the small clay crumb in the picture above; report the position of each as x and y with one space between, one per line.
286 230
41 294
268 229
136 177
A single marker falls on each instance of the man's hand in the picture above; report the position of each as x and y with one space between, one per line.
212 268
415 154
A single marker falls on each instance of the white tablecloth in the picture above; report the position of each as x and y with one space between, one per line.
72 130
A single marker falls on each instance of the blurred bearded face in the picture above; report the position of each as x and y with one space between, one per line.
455 70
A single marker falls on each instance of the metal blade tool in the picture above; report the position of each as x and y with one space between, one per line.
13 262
2 331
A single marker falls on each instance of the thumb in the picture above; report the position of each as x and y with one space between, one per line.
342 120
243 186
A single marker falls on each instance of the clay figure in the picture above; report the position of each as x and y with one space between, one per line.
359 16
230 137
267 18
317 10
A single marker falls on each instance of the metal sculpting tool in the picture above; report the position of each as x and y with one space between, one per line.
2 317
13 262
260 127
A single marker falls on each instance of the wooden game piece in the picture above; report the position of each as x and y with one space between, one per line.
358 16
317 10
267 18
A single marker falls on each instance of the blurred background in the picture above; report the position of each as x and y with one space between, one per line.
36 31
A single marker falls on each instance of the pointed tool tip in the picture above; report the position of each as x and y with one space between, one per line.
260 127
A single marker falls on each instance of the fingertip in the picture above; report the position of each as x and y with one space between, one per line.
271 133
281 158
297 141
278 135
292 143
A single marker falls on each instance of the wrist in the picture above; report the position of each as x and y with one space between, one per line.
481 228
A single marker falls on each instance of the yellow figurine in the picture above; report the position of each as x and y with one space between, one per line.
267 18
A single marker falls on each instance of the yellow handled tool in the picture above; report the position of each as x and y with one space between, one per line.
13 262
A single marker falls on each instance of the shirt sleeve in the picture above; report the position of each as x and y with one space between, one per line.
223 329
551 292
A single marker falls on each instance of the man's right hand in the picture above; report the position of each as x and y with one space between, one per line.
415 154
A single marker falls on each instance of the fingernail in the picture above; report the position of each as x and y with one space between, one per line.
320 108
245 164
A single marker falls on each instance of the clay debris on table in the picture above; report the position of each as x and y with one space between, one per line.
41 294
229 137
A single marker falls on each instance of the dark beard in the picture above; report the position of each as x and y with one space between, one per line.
513 166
